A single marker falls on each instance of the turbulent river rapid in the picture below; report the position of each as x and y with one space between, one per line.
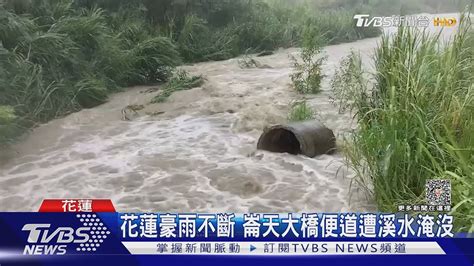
195 152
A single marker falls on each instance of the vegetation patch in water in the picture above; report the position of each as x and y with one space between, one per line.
308 73
300 111
180 81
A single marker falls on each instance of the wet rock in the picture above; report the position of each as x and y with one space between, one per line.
150 90
265 53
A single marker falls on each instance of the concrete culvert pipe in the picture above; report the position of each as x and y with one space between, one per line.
310 138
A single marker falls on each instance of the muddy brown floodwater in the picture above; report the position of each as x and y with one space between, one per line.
199 155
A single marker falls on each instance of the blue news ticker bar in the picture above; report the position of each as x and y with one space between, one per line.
289 226
64 237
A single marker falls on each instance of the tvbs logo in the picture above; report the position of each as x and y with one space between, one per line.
43 240
46 240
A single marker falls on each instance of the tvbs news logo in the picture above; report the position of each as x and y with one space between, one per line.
44 239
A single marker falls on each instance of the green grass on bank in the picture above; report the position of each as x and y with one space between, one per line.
417 121
66 58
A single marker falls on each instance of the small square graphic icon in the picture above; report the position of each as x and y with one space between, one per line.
438 192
